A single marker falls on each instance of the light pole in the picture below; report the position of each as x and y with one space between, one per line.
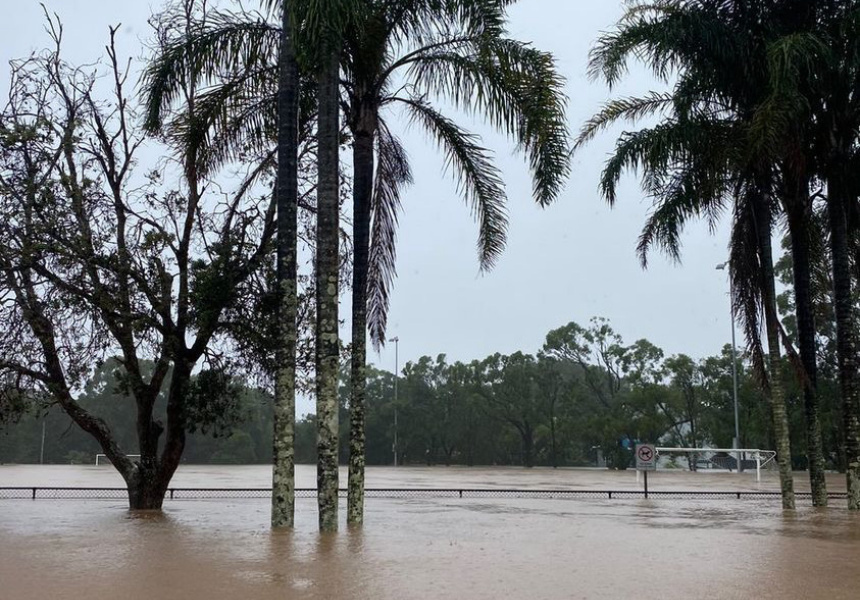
42 448
721 267
396 341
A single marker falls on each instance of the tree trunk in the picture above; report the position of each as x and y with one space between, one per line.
528 446
362 191
846 344
327 264
146 488
777 395
808 355
284 422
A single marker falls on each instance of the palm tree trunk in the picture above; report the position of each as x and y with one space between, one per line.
362 190
808 355
777 393
846 343
327 265
286 188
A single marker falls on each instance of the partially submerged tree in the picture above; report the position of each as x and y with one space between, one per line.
99 259
409 55
704 154
455 51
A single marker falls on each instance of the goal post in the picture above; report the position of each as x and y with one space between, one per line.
724 459
102 459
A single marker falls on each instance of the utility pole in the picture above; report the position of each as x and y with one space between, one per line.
737 443
42 449
396 341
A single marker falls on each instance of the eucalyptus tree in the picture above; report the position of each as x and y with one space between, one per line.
179 59
702 156
101 260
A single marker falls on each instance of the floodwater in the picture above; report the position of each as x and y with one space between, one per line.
428 548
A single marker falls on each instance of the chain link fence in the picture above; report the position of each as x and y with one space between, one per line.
97 493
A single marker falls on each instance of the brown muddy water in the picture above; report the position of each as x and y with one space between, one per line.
427 548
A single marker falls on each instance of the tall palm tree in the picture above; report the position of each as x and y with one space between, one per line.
183 60
817 75
327 280
701 158
224 59
838 111
404 55
283 474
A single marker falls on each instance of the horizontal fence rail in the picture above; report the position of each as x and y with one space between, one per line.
118 493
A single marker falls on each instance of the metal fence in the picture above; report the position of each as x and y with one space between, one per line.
116 493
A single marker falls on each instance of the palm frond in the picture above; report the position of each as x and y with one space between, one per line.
415 22
694 191
665 36
223 47
230 120
745 272
669 145
393 174
478 180
514 86
629 109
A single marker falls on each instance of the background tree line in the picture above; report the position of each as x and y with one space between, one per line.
585 395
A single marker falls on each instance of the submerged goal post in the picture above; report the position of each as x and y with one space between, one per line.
761 457
102 459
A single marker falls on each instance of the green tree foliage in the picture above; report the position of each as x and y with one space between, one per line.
236 429
585 393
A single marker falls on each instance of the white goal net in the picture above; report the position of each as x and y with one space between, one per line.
102 460
716 459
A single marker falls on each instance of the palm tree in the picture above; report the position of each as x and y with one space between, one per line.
327 280
815 83
283 474
229 123
798 207
182 60
701 157
838 113
403 55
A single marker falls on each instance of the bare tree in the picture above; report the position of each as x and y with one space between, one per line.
99 259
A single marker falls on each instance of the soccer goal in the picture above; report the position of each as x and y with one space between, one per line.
102 459
715 459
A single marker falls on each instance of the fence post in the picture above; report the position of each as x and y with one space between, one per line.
34 493
461 493
171 493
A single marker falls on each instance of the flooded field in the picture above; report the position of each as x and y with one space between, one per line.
426 548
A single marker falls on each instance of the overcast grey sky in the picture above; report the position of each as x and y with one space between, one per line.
569 262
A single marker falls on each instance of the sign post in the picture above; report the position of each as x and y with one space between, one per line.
646 460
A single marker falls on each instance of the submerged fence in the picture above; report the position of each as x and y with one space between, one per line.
117 493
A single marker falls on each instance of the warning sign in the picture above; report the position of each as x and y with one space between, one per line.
646 457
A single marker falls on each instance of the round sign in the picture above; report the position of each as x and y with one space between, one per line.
645 453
